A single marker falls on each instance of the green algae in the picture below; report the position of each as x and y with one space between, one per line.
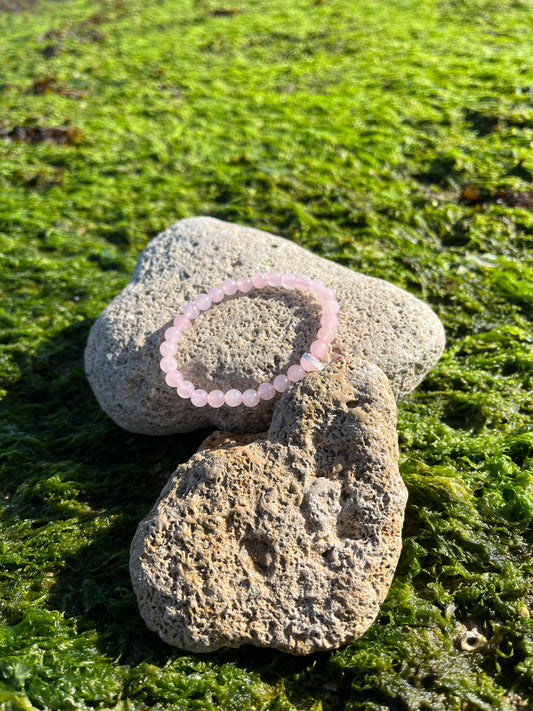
392 137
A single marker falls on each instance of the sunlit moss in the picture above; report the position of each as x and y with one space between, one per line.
393 137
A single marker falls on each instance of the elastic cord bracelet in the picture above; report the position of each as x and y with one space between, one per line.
266 391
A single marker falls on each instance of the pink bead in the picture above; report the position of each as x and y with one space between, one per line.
319 349
259 280
229 287
287 281
216 398
173 334
199 398
173 378
167 363
185 389
274 278
325 334
182 322
266 391
190 311
295 372
216 294
203 302
330 307
233 397
329 321
281 383
302 282
168 349
317 285
306 365
244 284
250 398
326 294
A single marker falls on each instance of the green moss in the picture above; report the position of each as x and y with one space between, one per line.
392 137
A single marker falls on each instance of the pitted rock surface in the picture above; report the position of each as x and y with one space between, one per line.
246 339
288 542
224 440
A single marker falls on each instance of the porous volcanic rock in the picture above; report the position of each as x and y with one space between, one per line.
288 542
246 339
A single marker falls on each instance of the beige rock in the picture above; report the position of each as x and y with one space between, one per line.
225 440
288 542
246 339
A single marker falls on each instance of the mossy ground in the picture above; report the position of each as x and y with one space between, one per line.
393 136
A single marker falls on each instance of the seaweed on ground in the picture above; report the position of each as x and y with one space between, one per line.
392 137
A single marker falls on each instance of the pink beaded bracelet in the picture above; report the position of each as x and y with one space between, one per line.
266 391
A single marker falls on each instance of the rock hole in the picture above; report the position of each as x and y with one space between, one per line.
351 403
261 551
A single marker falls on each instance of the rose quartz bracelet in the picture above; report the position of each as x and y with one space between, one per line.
266 391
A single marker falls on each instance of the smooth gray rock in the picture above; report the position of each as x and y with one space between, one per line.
288 542
246 339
